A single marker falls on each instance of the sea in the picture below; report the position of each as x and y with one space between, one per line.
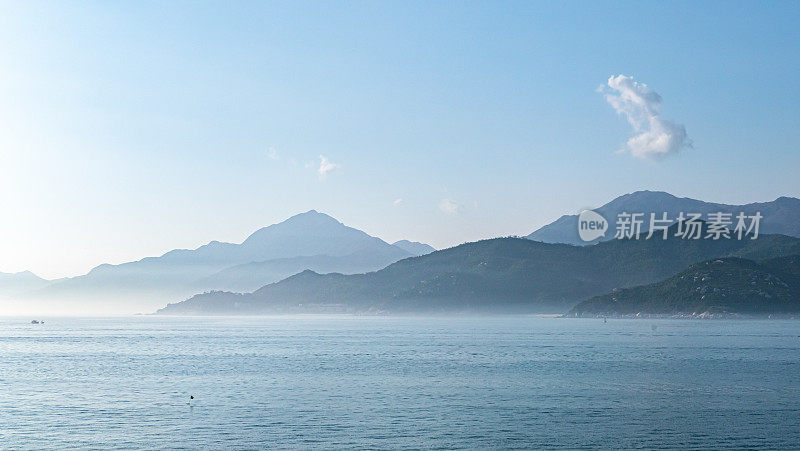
359 382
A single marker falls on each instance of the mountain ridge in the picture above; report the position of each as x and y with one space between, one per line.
780 216
724 286
414 247
500 274
151 281
13 284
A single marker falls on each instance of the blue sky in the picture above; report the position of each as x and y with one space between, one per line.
131 128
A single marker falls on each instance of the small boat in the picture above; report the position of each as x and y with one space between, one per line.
36 321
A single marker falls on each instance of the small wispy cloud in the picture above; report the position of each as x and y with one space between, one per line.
326 167
655 137
449 206
273 154
397 202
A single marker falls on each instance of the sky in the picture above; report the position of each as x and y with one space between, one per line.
131 128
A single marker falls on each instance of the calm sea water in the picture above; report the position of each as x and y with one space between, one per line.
322 382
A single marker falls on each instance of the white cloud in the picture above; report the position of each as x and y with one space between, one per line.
449 206
326 167
655 137
397 202
273 154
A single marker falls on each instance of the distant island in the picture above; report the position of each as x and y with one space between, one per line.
719 287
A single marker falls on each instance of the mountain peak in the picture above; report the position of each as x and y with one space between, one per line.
650 194
414 247
647 194
310 233
643 198
301 222
26 273
311 217
785 200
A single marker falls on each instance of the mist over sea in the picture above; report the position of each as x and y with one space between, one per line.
393 382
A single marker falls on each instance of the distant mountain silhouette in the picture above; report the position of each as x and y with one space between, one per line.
781 216
309 239
414 247
720 286
498 275
14 284
251 276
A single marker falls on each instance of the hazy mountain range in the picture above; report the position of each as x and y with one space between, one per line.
14 284
321 264
779 216
251 276
503 275
310 240
414 247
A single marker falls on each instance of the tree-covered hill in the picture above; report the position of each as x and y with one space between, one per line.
719 286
